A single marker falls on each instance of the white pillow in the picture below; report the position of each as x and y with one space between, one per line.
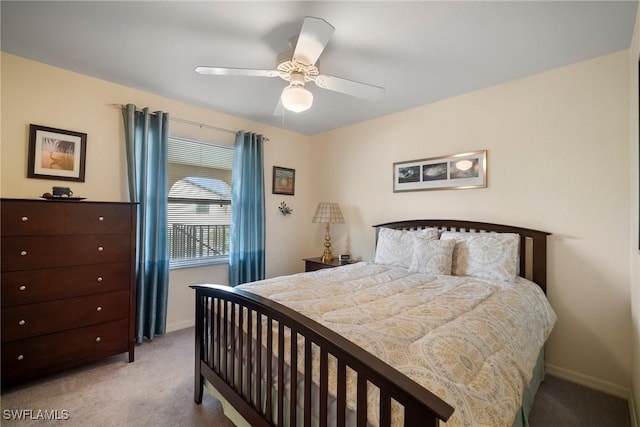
395 247
486 255
432 256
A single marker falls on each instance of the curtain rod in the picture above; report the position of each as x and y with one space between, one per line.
190 122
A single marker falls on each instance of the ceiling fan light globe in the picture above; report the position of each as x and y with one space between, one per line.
296 99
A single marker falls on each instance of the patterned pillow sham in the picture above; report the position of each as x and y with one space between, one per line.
485 255
432 256
395 247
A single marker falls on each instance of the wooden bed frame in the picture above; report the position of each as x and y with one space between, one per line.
221 346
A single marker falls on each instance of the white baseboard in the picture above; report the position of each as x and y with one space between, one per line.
587 381
180 325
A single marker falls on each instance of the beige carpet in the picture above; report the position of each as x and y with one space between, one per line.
560 403
155 390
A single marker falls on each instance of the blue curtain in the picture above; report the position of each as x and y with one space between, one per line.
146 139
246 258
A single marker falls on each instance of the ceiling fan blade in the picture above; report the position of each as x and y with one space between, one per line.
313 38
226 71
350 87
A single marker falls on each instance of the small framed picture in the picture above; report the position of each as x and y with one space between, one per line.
56 154
284 181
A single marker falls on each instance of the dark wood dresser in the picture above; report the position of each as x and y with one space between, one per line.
68 294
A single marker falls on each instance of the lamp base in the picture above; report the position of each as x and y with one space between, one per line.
327 256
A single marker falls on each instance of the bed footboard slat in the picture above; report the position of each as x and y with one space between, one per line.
201 339
307 381
249 357
218 356
385 408
361 402
241 356
293 399
280 392
231 364
324 386
341 393
225 343
269 368
258 360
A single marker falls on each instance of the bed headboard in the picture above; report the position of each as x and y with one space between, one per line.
533 243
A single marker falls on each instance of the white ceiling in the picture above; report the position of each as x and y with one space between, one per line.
420 51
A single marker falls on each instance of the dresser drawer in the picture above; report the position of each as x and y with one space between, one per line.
34 357
31 252
97 218
27 218
30 286
30 320
34 217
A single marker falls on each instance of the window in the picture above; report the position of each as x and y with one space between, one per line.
199 202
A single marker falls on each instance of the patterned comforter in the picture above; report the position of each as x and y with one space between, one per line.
471 341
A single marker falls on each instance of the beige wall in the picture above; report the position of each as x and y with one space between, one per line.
634 138
558 160
36 93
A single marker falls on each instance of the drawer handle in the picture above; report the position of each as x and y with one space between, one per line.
20 357
23 253
24 219
99 278
23 288
98 339
100 218
100 249
22 322
99 308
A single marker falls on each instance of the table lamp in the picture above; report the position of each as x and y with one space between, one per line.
327 213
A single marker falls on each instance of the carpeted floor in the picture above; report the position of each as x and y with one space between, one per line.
561 403
157 390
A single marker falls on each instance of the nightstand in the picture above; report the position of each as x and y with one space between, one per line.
313 264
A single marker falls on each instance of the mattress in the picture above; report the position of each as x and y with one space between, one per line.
473 342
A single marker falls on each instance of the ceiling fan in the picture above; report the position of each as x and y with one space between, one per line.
299 65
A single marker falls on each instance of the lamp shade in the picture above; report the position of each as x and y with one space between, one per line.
328 213
296 98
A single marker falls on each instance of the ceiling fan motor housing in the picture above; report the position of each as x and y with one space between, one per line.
287 67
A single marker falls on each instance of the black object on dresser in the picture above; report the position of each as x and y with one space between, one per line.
68 293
